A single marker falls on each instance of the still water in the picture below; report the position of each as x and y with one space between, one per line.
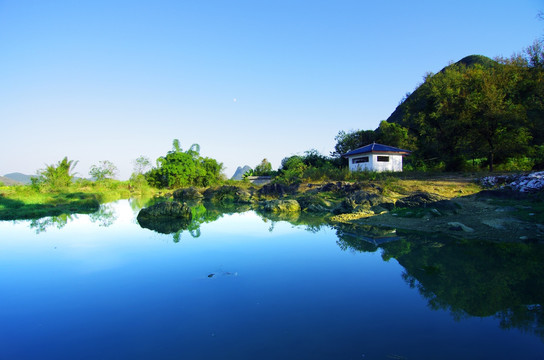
243 286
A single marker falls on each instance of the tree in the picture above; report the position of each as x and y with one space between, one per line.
292 170
395 135
141 165
184 168
495 118
347 141
56 176
104 170
263 169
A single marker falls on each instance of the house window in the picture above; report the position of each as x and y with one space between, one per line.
383 158
360 160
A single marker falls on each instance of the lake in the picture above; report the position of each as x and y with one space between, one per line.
241 285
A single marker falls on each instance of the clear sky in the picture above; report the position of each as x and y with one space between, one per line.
112 79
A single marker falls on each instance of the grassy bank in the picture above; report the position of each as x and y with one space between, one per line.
27 202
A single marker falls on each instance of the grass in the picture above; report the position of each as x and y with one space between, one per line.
27 202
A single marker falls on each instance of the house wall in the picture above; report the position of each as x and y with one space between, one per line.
394 163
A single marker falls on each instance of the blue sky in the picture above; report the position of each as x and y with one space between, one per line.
247 80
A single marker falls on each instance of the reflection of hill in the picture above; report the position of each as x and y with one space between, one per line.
473 278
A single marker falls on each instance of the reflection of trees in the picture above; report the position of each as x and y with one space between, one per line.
201 213
475 278
105 216
364 238
137 203
311 221
60 221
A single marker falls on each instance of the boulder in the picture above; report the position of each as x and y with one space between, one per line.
228 194
314 203
280 206
420 199
457 226
171 209
277 190
188 194
165 217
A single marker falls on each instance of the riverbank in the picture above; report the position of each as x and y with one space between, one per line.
453 204
456 206
25 202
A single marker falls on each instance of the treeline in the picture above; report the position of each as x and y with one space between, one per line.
475 113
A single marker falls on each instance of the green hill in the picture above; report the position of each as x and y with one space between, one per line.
9 182
20 178
418 100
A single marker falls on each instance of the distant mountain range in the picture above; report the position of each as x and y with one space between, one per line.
9 182
17 177
239 173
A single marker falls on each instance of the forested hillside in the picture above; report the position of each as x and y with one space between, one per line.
474 113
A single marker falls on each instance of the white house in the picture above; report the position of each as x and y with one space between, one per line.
376 157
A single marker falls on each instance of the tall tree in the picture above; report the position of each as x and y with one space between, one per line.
57 176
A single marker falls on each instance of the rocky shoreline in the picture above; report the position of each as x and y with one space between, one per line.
506 212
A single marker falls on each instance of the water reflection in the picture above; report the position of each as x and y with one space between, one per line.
58 222
465 278
201 214
469 278
104 217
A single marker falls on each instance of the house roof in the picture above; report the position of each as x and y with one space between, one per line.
377 148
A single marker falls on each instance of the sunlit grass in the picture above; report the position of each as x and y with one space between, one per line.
28 202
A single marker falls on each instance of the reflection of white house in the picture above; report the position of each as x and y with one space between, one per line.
376 157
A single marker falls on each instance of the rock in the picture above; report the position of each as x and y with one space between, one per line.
497 224
457 226
172 209
228 194
277 190
280 206
420 199
165 217
363 200
435 212
187 194
314 203
378 210
524 183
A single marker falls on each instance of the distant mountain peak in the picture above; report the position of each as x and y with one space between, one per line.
19 177
240 171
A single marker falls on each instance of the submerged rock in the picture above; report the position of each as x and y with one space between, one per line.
280 206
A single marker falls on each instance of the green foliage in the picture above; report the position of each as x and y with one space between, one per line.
104 170
57 176
141 165
347 141
292 170
263 169
473 109
184 168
